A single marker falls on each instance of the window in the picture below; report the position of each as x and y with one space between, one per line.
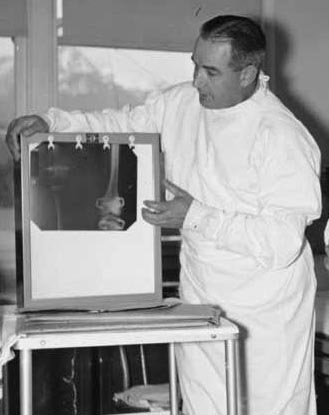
95 78
7 112
92 78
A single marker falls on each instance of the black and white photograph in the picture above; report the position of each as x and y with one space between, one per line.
164 207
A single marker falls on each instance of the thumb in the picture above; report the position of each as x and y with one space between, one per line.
175 190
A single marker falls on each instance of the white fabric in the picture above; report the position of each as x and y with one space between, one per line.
152 397
253 171
8 337
8 333
326 234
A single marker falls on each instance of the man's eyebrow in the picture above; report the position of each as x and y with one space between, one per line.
209 68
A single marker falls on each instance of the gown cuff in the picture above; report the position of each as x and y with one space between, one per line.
194 216
48 120
206 220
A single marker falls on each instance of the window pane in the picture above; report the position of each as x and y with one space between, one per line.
7 234
96 78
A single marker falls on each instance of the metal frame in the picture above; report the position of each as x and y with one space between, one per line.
36 59
24 285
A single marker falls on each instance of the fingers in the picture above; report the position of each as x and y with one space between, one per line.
33 124
154 206
154 218
26 126
163 214
12 140
155 212
27 132
163 219
169 214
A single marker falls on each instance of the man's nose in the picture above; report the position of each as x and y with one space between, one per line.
198 78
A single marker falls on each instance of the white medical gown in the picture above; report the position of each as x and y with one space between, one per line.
253 172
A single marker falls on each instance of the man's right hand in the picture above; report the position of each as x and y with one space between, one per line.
26 126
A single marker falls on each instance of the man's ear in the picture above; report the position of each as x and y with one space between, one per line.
248 75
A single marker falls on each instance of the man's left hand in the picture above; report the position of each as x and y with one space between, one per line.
168 214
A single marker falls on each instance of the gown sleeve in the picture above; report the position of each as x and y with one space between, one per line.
289 199
143 118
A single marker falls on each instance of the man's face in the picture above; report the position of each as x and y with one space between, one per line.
218 84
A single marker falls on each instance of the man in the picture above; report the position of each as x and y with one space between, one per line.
244 176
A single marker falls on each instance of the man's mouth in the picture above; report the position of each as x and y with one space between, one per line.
203 97
205 100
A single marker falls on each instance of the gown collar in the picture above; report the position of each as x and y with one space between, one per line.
261 89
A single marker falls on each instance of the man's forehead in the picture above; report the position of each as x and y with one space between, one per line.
212 50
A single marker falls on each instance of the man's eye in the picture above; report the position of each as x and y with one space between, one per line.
212 73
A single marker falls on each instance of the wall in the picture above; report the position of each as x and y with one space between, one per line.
147 24
298 61
298 33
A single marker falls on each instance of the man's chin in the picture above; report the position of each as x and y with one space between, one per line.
205 103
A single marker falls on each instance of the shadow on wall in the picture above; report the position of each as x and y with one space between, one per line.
283 80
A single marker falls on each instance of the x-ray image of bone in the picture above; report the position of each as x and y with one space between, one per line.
56 176
110 206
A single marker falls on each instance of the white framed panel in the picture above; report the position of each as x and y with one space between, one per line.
75 254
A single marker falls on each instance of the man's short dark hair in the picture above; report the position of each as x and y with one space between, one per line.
245 35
